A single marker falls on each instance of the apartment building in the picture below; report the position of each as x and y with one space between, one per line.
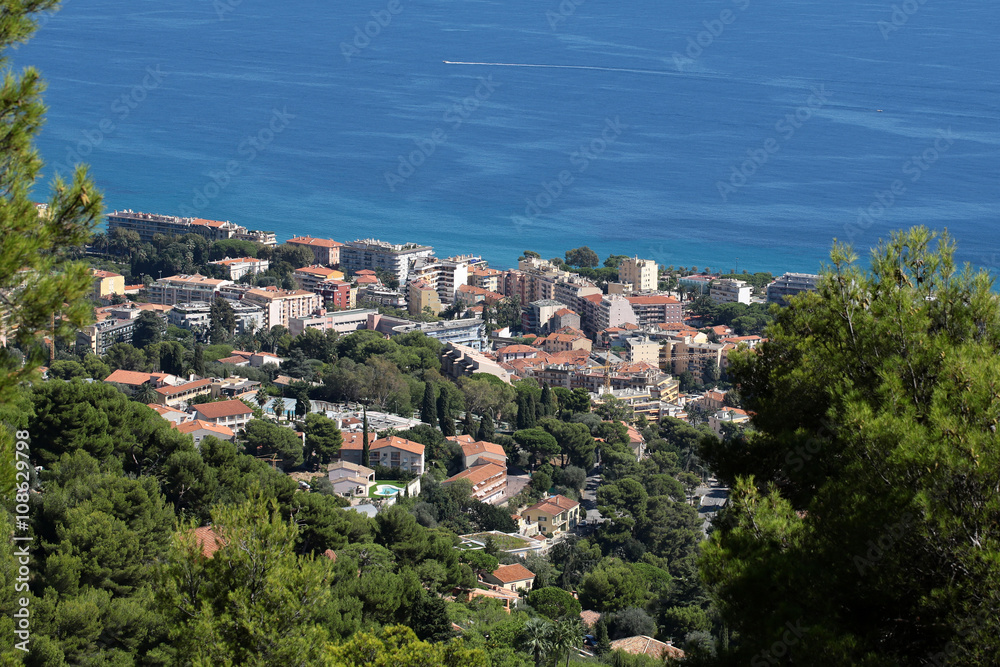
325 251
147 225
490 280
309 277
336 292
233 414
790 284
342 321
613 310
642 274
536 315
237 267
642 349
445 276
119 328
555 514
421 295
195 314
178 394
394 259
489 481
184 288
653 309
281 306
730 290
107 283
459 360
396 452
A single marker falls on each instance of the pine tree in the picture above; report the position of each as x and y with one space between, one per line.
428 409
45 294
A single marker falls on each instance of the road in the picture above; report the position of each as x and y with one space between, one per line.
590 500
711 499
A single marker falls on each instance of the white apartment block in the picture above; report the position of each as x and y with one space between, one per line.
445 276
394 259
241 266
730 290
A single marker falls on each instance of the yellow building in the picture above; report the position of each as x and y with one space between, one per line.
555 514
107 283
421 295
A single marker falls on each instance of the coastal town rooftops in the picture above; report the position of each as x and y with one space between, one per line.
220 409
517 349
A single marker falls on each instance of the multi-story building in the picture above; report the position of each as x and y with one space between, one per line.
653 309
490 280
562 342
281 306
396 452
459 360
342 321
555 514
572 291
325 251
183 288
681 355
642 349
394 259
790 284
181 393
238 267
148 225
107 283
696 281
730 290
381 296
422 295
337 292
309 277
197 314
489 481
536 315
613 310
97 338
641 273
234 413
443 275
470 332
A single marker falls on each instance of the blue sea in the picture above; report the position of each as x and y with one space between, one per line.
722 133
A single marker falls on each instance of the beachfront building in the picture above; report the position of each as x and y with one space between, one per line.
147 225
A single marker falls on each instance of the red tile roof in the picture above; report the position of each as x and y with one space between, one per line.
398 443
132 378
478 474
308 240
197 425
223 409
508 574
482 447
208 540
553 505
187 386
652 299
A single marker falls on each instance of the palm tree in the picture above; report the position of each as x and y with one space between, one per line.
537 640
566 634
261 397
145 394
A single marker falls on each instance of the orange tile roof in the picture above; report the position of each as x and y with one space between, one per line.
98 273
482 447
562 312
187 386
235 260
553 505
517 349
207 223
508 574
197 425
461 438
208 540
353 441
132 378
643 645
164 409
478 474
398 443
590 618
223 409
318 270
235 359
652 299
308 240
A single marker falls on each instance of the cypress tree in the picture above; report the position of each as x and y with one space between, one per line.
532 411
445 421
601 634
365 455
199 360
468 426
548 401
428 409
486 429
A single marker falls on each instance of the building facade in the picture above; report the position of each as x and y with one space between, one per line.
642 274
373 254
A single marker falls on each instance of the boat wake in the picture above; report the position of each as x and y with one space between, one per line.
601 69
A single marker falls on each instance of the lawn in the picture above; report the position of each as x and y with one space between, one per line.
390 482
503 542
